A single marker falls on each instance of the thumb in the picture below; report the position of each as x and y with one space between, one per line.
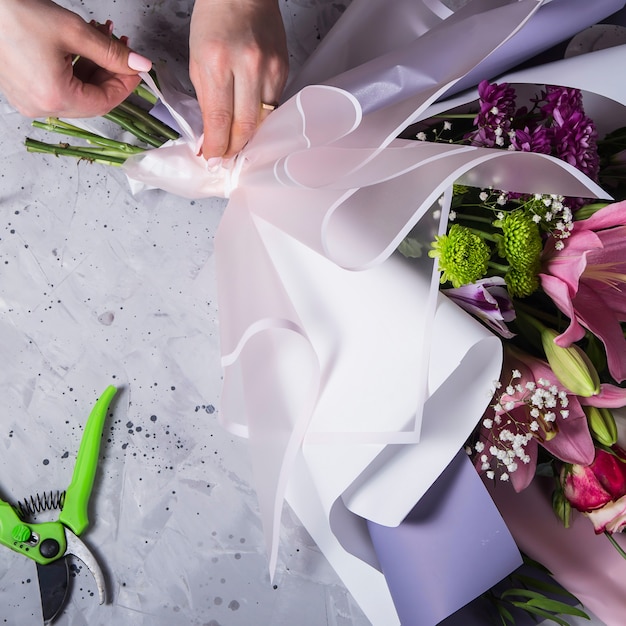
110 54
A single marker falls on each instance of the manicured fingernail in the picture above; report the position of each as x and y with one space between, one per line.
109 25
213 162
138 63
124 40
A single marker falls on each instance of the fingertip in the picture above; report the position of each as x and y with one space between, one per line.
138 62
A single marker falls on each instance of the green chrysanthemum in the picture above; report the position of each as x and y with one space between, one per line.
521 282
520 243
462 256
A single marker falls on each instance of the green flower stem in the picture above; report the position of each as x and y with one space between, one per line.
499 267
55 125
531 320
615 544
455 116
533 314
94 154
474 218
145 94
137 113
483 235
127 124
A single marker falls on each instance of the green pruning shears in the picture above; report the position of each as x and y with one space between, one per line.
49 543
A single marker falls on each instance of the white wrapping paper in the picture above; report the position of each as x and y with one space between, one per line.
343 366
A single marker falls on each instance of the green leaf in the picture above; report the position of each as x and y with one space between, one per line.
541 613
543 585
532 563
524 593
539 600
505 615
411 248
555 606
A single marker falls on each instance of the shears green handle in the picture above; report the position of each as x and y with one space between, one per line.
45 542
74 513
42 543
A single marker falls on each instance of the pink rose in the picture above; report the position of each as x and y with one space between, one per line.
599 491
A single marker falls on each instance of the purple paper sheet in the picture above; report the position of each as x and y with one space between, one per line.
452 547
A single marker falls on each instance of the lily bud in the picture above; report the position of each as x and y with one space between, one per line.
571 366
601 425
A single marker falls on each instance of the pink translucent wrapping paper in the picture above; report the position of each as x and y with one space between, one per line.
343 366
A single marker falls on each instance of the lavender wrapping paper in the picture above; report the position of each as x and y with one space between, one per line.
453 546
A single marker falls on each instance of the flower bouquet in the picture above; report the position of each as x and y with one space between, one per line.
357 382
544 272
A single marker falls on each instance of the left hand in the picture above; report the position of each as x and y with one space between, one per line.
238 59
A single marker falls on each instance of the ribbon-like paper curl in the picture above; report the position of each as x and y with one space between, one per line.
336 351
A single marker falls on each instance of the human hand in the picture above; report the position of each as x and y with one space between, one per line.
238 59
38 43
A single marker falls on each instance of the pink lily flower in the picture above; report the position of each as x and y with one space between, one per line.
586 279
531 409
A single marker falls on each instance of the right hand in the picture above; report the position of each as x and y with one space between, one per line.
38 43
